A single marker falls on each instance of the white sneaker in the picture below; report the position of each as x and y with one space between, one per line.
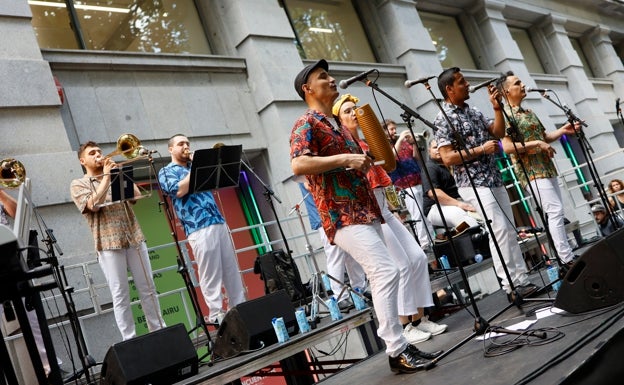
413 335
431 327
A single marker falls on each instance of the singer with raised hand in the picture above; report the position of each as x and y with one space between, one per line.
206 231
118 238
335 167
480 136
414 286
532 148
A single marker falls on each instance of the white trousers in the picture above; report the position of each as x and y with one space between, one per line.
498 210
549 196
453 216
365 243
414 285
217 266
115 265
338 261
414 204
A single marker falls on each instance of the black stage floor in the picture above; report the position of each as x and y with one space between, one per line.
581 348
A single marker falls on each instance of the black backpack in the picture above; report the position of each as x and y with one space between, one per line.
279 271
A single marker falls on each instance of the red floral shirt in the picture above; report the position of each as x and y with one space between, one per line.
343 197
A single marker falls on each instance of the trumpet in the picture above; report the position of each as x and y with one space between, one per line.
12 173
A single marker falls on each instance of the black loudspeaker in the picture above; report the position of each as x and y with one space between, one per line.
596 279
248 326
162 357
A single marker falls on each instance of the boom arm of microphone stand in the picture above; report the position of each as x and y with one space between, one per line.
266 187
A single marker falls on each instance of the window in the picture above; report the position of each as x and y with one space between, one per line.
449 41
158 26
531 59
328 30
579 51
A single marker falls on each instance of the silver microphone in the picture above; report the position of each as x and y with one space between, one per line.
144 151
409 83
472 89
540 90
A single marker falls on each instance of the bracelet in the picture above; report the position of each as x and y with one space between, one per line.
483 149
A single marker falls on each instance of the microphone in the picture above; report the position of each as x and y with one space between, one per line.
472 89
409 83
617 106
346 83
145 151
540 90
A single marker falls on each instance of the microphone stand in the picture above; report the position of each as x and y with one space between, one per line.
183 270
587 151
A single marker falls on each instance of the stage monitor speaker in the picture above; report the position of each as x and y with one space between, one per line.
596 279
248 326
162 357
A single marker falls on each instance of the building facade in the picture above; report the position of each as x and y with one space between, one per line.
223 70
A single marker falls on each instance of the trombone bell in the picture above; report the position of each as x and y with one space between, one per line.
128 145
12 173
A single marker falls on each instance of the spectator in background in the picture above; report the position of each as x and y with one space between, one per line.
603 220
616 188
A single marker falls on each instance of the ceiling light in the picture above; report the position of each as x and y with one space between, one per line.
79 6
322 30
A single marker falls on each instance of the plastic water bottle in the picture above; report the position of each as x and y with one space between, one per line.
280 329
478 257
326 283
302 321
445 262
334 310
358 302
553 275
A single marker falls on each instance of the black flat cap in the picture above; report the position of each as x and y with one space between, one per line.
302 77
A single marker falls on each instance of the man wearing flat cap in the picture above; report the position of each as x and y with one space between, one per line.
606 222
335 167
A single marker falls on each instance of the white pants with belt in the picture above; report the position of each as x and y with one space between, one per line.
115 265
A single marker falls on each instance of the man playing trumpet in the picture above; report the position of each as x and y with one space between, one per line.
119 240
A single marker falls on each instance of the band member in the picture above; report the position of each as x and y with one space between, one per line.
536 155
206 231
407 176
415 286
480 137
335 168
118 238
454 208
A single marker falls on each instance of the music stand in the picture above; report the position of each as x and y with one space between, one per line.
123 183
214 168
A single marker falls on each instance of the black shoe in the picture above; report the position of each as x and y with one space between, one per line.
345 305
427 355
407 362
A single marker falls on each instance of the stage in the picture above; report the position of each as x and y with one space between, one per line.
559 361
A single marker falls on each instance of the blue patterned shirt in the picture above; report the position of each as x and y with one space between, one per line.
472 127
195 211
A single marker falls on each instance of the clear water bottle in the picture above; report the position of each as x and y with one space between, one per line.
478 257
445 262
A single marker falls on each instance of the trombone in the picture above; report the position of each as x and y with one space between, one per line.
12 173
129 146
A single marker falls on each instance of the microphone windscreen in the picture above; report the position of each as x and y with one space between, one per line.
375 137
